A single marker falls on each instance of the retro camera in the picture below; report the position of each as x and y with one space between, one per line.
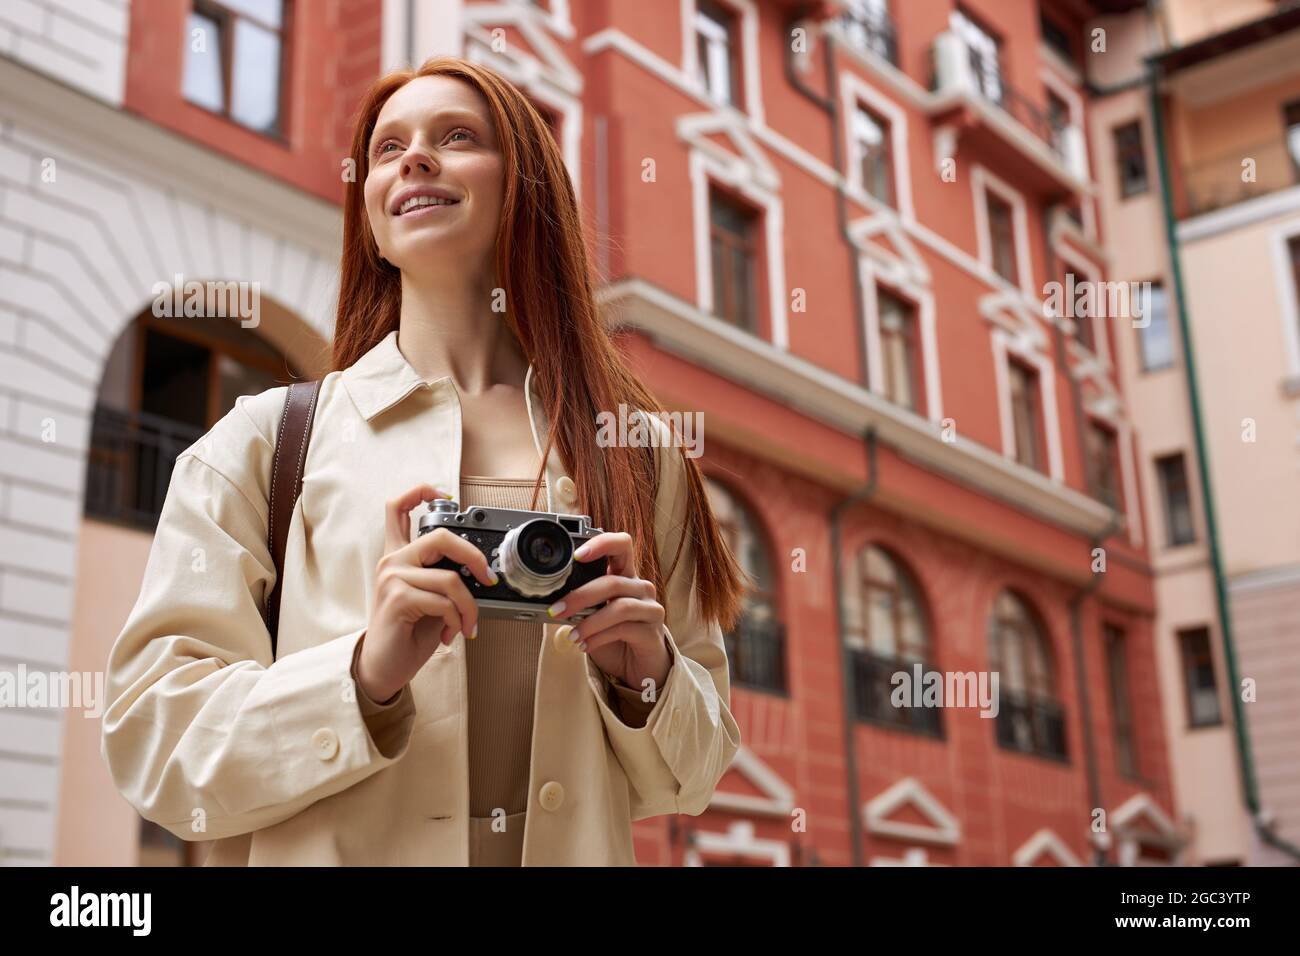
531 553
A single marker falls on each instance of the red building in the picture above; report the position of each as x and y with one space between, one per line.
827 227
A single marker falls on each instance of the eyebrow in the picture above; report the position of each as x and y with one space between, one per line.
450 112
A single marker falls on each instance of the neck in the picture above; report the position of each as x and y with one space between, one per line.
450 329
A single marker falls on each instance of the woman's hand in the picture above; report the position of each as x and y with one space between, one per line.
415 607
626 638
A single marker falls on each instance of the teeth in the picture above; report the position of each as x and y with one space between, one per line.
415 201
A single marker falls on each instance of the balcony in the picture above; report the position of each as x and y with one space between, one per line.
1033 725
756 653
870 32
972 98
130 464
1219 181
872 681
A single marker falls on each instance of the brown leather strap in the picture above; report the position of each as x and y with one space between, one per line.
286 482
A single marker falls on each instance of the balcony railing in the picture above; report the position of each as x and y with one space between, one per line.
1243 173
954 66
756 653
872 681
131 459
1031 724
871 31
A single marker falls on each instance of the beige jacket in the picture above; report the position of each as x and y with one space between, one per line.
277 761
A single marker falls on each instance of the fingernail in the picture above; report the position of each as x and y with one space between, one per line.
474 631
582 646
581 552
556 608
574 635
493 579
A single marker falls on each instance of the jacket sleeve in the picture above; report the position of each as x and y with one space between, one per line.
674 761
203 734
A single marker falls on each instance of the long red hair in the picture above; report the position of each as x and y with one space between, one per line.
542 265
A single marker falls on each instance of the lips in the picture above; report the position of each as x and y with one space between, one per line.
421 197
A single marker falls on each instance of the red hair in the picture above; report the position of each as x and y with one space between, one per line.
542 265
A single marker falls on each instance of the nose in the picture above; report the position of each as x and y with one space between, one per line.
418 158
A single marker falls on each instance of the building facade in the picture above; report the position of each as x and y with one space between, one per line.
829 228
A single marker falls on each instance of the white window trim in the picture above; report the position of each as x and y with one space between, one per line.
871 274
1076 261
983 182
1045 841
852 92
1193 477
1006 345
554 14
739 840
942 828
747 14
1109 414
1288 297
705 168
1075 102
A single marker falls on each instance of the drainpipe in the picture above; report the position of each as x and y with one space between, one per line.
1091 769
829 105
1248 780
866 491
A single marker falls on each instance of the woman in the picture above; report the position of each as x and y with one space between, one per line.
396 725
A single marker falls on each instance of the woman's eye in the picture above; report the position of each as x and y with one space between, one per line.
383 147
460 131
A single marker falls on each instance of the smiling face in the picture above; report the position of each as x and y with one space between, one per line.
435 181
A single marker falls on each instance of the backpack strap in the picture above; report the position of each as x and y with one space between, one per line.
286 482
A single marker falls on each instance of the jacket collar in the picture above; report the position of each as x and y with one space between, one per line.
383 377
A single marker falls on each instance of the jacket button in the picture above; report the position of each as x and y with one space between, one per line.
326 743
551 796
567 490
560 639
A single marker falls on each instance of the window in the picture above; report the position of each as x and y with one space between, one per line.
983 49
1120 701
233 60
1103 464
167 381
1130 159
1291 117
733 228
1083 325
876 163
1025 417
717 52
1030 719
1199 682
899 356
869 27
1171 471
1002 237
886 633
1058 120
1155 340
1056 37
755 649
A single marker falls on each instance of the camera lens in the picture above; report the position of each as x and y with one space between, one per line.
536 557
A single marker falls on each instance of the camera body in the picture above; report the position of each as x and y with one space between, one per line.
531 553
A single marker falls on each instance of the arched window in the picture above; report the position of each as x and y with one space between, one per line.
886 633
166 382
1030 717
756 648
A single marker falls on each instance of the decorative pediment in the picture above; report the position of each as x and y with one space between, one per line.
1010 311
751 786
885 815
1044 843
883 239
538 56
709 131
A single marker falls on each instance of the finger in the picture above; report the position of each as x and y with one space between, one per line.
430 604
444 543
446 584
614 545
604 588
397 515
622 610
623 632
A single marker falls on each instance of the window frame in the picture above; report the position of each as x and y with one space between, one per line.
1187 666
1136 148
998 628
226 19
1037 426
883 155
750 243
1142 333
1123 727
1166 511
912 337
1114 466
